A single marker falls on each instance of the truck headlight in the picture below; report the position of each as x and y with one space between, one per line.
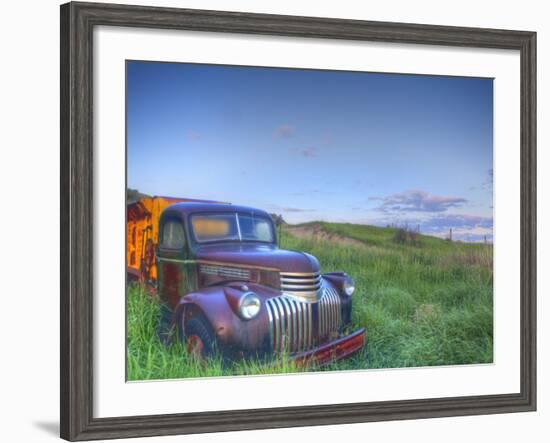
349 286
249 305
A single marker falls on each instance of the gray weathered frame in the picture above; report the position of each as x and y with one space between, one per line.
77 24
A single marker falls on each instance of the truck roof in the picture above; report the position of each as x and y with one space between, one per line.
186 208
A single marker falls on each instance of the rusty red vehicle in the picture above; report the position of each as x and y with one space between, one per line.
226 286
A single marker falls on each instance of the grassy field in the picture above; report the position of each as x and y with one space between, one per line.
424 302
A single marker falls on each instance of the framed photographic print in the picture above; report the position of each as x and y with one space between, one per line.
272 221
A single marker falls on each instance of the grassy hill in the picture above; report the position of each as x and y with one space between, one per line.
424 301
427 303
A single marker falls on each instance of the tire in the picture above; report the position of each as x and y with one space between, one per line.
199 338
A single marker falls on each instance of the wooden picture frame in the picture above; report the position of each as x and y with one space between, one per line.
77 217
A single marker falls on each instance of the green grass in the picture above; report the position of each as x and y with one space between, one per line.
149 359
425 304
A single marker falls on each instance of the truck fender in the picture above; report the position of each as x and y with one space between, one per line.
210 304
215 305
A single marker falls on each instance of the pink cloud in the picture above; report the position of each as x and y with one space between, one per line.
193 135
417 200
309 152
285 131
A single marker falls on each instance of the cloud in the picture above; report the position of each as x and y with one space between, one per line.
285 131
193 135
327 140
417 200
463 221
309 152
288 209
470 228
466 227
296 210
310 193
488 183
474 235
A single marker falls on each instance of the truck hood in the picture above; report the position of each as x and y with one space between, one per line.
258 255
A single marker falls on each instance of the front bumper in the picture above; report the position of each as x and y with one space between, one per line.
334 350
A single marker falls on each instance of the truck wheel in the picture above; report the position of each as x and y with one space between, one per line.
199 338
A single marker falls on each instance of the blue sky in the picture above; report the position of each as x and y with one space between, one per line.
317 145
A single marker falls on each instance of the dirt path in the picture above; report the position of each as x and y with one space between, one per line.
316 232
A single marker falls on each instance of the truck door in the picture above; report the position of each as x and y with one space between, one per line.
171 255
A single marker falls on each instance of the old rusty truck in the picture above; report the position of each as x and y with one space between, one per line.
225 285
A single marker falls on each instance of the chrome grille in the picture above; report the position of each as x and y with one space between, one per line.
305 286
226 272
292 322
329 313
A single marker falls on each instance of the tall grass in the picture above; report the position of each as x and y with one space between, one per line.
424 304
150 359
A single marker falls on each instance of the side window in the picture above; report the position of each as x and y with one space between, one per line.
172 235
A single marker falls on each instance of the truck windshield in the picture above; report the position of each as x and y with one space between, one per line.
231 227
